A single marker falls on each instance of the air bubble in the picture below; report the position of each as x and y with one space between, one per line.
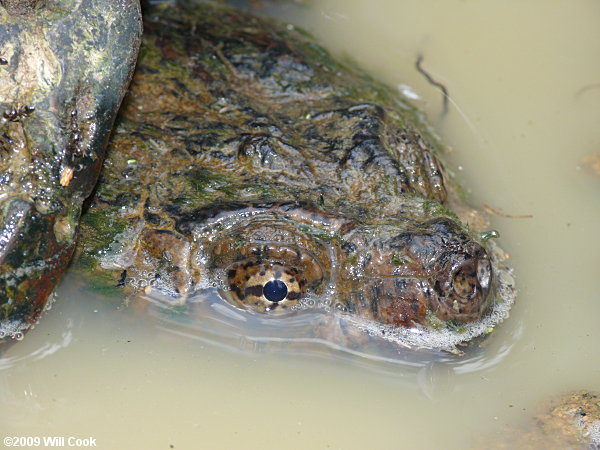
18 336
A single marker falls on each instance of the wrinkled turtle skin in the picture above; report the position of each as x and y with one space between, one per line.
246 158
64 68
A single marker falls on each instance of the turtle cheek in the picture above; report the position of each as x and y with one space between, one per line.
463 291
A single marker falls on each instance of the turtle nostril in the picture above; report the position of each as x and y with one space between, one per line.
484 272
473 276
275 290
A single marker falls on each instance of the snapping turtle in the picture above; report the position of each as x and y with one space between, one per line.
64 68
247 160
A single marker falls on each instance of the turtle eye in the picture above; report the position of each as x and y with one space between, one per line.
264 287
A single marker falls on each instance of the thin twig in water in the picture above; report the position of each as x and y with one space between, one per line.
584 89
489 209
435 83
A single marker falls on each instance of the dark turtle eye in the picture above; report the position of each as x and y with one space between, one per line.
275 290
264 287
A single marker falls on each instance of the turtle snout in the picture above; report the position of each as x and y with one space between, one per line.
432 268
462 288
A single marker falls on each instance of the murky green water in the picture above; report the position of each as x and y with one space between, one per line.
518 127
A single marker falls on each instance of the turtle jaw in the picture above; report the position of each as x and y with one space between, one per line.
460 293
433 268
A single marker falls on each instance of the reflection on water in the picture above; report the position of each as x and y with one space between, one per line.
514 68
